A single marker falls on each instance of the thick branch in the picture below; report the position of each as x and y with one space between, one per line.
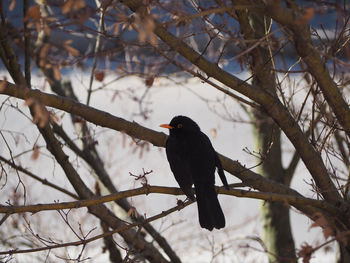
267 196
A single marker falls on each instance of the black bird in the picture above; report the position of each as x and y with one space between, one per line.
193 160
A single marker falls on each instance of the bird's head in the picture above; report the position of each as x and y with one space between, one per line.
181 125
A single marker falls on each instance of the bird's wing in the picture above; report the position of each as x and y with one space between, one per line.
202 159
179 165
217 161
221 171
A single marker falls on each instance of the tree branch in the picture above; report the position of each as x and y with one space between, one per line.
145 190
105 234
43 181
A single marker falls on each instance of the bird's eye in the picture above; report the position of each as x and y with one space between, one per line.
179 125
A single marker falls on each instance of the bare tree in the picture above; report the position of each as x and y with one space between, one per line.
153 39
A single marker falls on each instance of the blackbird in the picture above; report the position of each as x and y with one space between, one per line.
193 160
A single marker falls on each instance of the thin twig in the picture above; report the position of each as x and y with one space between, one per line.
106 234
96 51
43 181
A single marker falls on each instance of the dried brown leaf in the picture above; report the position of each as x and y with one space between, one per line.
120 16
28 102
78 119
67 6
145 28
213 132
40 114
306 17
121 69
149 81
179 202
33 13
56 73
44 51
72 5
47 29
54 117
99 75
3 84
321 221
12 5
305 252
116 28
328 249
74 52
78 4
47 65
132 212
68 42
35 154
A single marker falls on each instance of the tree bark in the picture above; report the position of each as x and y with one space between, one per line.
277 234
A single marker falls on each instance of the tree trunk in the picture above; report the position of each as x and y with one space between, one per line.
277 235
343 255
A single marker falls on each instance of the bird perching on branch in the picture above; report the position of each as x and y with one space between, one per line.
193 160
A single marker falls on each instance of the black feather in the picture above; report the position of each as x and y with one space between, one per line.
193 160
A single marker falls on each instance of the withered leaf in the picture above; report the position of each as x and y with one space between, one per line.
35 154
12 5
74 52
99 75
72 5
305 252
56 73
132 212
149 81
33 13
3 84
321 221
306 17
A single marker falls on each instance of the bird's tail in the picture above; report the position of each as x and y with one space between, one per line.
209 209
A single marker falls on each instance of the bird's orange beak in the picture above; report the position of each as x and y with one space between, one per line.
166 126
